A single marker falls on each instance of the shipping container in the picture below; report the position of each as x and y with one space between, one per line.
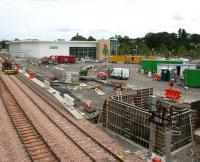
192 78
65 59
125 59
117 58
151 65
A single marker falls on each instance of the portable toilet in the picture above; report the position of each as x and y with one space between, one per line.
165 75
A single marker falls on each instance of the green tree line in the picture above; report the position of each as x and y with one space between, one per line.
162 44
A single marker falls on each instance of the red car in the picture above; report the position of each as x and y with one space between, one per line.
102 75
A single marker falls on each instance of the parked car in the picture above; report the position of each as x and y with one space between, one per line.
102 75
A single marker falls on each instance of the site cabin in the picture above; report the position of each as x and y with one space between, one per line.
120 73
177 69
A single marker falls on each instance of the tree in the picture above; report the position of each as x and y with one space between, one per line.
143 48
182 34
125 45
124 49
198 52
195 38
182 51
90 38
78 38
164 51
3 44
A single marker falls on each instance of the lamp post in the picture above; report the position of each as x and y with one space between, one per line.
136 47
152 51
192 53
195 50
172 51
117 48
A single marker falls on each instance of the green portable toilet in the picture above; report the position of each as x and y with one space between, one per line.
165 75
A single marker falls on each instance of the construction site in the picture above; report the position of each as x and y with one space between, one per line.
147 118
99 81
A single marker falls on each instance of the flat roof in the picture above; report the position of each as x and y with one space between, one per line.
43 41
179 64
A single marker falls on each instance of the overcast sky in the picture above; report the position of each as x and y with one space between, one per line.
53 19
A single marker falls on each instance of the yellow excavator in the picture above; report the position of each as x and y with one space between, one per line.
7 68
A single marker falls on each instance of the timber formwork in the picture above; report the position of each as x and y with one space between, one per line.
123 115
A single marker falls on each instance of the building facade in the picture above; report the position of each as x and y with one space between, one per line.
80 49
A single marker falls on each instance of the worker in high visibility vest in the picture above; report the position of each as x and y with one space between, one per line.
171 83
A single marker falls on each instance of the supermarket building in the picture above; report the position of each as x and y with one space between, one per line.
80 49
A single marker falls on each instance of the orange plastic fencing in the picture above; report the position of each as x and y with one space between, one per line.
172 94
155 159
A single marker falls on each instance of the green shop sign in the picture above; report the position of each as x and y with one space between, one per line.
53 47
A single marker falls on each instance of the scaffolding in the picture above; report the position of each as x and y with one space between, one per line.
128 115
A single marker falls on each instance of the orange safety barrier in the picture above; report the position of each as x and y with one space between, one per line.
155 159
31 75
173 94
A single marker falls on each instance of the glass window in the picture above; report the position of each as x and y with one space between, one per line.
83 52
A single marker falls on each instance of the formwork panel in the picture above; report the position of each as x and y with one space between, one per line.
132 122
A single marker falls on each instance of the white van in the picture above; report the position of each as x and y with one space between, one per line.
120 73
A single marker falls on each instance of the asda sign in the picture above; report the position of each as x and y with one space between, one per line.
53 47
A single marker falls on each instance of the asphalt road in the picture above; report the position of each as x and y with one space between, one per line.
138 80
135 81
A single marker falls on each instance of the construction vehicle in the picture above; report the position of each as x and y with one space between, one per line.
46 60
7 68
83 71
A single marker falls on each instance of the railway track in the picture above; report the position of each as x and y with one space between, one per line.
91 147
34 144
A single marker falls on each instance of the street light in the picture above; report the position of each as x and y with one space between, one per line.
195 50
117 48
152 51
133 51
136 49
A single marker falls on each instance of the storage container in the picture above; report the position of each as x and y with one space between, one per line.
151 65
65 59
192 78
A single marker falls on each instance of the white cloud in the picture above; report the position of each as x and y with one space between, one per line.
52 19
